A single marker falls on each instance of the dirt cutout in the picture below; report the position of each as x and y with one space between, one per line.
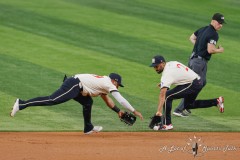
119 146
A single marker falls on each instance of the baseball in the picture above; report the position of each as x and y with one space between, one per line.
155 128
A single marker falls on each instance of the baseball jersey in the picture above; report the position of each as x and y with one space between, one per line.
94 85
204 36
175 73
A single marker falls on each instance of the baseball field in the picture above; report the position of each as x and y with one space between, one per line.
41 41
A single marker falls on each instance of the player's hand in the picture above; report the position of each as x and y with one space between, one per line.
120 114
158 114
136 113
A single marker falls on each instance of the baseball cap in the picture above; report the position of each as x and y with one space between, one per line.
157 60
218 17
117 78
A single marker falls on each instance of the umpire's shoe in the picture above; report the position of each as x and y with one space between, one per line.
95 129
180 114
15 108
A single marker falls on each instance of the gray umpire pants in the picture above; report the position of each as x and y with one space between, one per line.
199 66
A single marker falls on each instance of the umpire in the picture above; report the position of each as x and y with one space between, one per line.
204 41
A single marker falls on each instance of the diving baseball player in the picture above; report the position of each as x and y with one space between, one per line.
81 88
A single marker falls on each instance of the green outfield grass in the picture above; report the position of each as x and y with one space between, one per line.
43 40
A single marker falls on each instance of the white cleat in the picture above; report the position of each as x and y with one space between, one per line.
15 108
167 127
95 129
220 104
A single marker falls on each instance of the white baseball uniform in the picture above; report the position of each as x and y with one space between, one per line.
94 85
175 73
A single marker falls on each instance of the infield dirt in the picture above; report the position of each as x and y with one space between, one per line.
119 145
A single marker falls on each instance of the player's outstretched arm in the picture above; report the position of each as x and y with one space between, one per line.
126 104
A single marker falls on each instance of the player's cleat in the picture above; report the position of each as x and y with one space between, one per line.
167 127
220 104
180 114
95 129
15 108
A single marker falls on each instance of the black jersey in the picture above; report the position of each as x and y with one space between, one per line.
204 36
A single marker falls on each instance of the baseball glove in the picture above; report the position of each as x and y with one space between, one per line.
155 121
128 118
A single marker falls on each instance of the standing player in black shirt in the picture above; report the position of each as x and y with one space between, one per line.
204 41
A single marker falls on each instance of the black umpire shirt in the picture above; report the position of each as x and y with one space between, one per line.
204 36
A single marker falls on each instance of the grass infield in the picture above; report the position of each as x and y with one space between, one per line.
43 40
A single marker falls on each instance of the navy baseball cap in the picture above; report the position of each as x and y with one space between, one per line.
218 17
117 78
157 60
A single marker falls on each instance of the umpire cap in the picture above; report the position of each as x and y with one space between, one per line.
218 17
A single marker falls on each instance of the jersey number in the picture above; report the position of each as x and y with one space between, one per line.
179 66
98 76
